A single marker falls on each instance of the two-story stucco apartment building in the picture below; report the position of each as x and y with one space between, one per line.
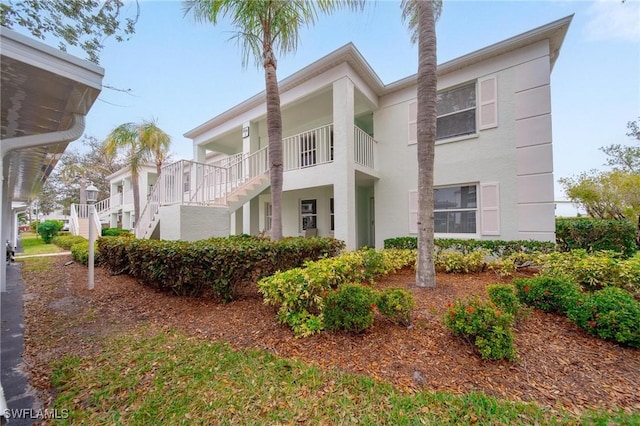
350 153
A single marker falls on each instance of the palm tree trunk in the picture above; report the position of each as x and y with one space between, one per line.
426 127
274 130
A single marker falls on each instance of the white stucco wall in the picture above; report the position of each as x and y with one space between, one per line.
521 165
191 223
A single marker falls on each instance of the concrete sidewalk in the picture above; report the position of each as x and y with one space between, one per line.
18 392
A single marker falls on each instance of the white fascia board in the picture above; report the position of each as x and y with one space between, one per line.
37 54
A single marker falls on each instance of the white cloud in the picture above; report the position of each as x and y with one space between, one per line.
614 20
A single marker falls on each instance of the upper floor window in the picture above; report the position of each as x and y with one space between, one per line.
456 112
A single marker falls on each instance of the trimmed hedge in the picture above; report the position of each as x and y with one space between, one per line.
115 232
66 241
498 248
596 235
80 253
209 267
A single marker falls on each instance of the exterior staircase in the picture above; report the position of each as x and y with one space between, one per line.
228 185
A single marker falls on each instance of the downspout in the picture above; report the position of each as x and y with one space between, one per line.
24 142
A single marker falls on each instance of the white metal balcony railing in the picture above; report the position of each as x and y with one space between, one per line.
364 148
213 184
315 147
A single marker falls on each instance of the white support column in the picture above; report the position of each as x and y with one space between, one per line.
250 143
344 191
4 201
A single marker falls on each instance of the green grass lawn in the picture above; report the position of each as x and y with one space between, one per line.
33 244
160 377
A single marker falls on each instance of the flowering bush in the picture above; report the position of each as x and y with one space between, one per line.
548 293
396 304
610 313
350 308
505 298
484 325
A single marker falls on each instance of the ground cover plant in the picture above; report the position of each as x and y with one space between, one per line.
136 360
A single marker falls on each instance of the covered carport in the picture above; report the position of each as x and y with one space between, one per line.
45 96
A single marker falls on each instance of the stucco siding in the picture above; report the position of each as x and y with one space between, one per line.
191 223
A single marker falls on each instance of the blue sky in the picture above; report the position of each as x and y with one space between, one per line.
183 73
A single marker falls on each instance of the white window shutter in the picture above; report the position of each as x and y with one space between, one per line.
490 208
413 123
413 212
488 105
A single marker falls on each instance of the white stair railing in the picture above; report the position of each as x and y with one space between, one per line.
213 185
74 223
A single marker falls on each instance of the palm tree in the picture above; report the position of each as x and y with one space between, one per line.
156 140
267 28
140 142
421 16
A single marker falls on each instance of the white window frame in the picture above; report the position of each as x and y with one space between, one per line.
489 101
267 216
313 213
474 108
413 213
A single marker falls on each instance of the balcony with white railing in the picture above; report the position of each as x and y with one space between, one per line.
315 147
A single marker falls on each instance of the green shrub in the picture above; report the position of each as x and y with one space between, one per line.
591 270
349 308
596 235
396 305
629 277
49 229
498 248
458 262
610 313
66 241
484 325
504 297
549 293
80 253
210 267
114 232
303 323
410 243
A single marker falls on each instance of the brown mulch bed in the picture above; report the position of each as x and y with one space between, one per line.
558 364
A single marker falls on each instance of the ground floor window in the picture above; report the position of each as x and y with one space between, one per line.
308 214
331 214
455 209
267 217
